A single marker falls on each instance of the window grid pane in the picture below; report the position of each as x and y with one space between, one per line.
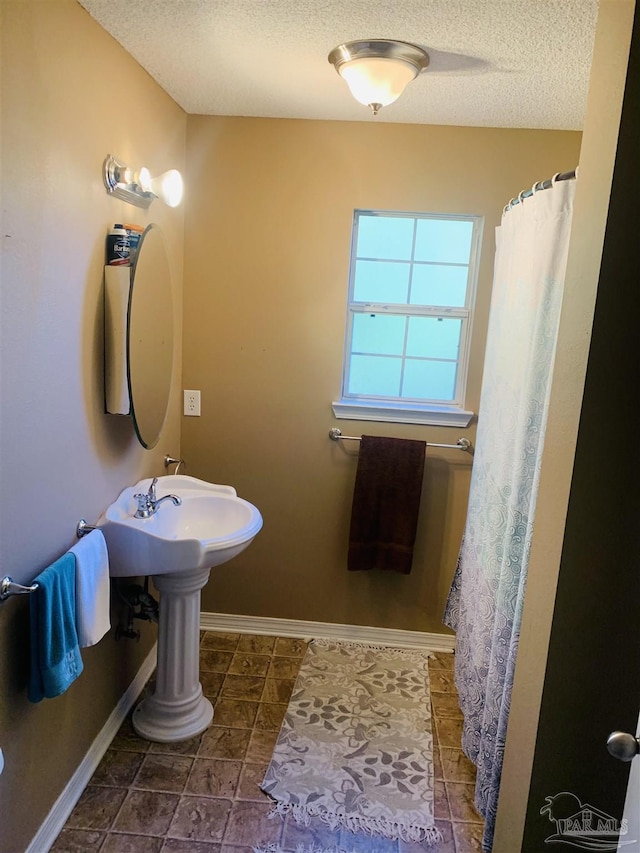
409 350
429 378
439 284
374 375
379 334
381 281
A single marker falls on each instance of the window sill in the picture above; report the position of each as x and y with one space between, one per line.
402 413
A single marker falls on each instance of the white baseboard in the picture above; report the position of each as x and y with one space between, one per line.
303 629
63 806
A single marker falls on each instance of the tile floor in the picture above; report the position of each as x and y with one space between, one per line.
202 796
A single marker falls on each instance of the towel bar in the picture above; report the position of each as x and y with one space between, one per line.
8 587
462 444
83 528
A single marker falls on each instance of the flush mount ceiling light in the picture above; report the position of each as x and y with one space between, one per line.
138 187
377 70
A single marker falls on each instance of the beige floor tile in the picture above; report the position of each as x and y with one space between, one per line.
127 738
446 705
185 747
441 681
290 647
96 808
78 841
164 773
468 837
221 742
248 687
461 801
214 660
211 683
270 716
200 819
434 733
249 823
233 848
319 835
437 763
178 845
219 640
456 767
440 801
284 667
360 843
442 660
118 768
261 746
214 777
250 781
449 732
116 842
278 689
256 644
146 812
234 713
243 663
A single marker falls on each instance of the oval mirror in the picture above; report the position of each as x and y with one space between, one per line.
150 337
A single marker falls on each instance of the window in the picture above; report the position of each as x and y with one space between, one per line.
411 292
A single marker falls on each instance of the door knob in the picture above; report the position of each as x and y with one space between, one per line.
622 745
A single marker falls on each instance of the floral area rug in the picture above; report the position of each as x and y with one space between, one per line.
355 749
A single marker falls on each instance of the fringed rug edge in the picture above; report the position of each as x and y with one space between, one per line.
301 848
378 827
409 653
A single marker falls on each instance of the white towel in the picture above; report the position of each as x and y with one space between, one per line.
92 588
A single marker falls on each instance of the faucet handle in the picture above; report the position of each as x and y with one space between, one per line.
143 505
152 489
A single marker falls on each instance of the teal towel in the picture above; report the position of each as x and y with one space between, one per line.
55 653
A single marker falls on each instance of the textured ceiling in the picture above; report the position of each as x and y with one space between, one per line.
494 63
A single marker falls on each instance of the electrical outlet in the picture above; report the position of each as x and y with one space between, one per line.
192 403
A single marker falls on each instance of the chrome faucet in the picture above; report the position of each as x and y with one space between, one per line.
148 503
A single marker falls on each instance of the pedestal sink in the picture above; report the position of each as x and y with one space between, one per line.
178 546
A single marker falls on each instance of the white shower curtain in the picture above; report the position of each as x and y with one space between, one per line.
486 597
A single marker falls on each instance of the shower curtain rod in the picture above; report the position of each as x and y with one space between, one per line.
541 185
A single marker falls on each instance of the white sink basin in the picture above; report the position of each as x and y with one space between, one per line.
211 526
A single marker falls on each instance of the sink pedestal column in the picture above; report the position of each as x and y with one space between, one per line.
177 710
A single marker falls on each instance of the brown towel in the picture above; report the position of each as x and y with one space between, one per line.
386 500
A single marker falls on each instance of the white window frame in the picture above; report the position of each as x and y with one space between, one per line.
370 408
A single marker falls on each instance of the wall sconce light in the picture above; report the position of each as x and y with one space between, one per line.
139 187
377 70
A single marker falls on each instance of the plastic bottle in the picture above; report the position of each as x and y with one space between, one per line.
135 233
118 248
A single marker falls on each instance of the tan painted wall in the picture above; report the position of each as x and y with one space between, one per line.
70 96
268 229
